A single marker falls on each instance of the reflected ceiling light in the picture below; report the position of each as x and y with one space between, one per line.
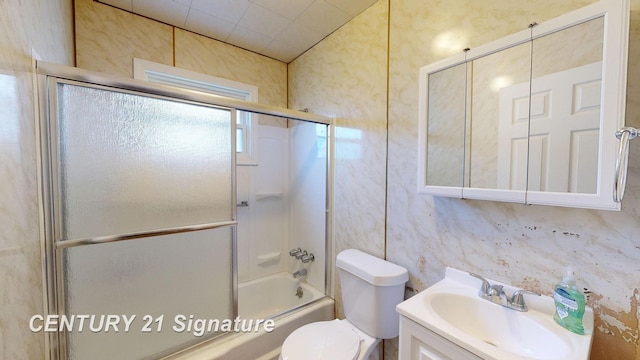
500 82
450 42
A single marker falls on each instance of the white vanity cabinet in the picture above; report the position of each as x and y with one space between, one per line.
420 343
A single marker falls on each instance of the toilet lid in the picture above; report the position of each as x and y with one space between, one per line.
322 340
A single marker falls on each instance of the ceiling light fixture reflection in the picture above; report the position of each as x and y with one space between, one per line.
450 42
500 82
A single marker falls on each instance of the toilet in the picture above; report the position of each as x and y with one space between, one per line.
371 289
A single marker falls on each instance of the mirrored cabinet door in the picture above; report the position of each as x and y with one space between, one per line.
446 126
442 132
499 130
565 109
579 73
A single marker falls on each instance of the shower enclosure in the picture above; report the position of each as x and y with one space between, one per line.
151 228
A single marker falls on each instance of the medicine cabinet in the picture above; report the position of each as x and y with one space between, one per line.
529 118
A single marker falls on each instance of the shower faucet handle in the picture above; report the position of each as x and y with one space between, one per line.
307 258
301 255
295 252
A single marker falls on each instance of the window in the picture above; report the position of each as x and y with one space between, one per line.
246 123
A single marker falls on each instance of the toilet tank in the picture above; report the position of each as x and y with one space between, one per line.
371 289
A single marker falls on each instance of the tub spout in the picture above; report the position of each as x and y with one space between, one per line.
300 273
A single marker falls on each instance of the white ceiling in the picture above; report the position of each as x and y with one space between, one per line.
281 29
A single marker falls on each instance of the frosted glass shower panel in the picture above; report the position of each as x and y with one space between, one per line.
132 163
308 192
153 280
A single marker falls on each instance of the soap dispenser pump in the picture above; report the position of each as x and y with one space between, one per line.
570 303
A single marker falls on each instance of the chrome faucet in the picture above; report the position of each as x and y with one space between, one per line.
307 258
495 293
295 252
517 300
299 273
302 255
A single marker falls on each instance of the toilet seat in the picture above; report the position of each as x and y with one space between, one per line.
322 340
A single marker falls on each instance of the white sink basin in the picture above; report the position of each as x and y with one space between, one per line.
498 326
452 309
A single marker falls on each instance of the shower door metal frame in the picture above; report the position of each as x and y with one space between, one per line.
48 76
54 243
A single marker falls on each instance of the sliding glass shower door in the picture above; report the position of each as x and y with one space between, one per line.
141 218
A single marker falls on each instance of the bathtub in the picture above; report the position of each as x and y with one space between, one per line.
270 297
273 295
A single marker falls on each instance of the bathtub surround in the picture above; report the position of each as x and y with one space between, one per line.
285 293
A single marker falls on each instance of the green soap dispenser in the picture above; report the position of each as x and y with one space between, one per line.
570 304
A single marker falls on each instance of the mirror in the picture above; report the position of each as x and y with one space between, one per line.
529 118
491 74
446 127
565 109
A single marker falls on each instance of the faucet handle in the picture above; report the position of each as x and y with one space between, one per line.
301 255
517 299
294 252
484 289
306 258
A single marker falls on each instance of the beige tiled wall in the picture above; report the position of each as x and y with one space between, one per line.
45 29
107 40
524 245
344 77
208 56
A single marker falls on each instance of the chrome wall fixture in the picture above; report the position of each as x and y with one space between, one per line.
624 135
302 255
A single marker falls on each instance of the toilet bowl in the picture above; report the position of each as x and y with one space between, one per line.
334 339
371 289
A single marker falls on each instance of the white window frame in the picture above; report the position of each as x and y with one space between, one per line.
247 122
